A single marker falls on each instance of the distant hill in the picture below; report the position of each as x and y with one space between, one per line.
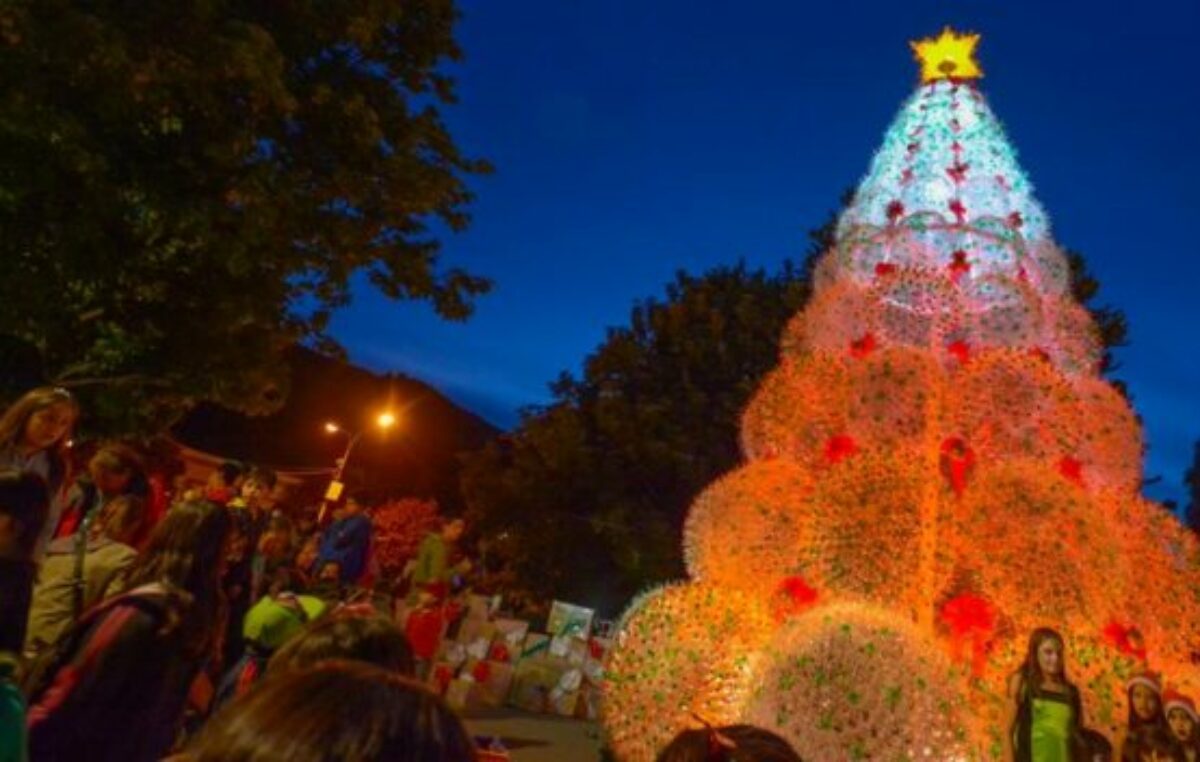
417 456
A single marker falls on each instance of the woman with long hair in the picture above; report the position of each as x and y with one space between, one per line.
348 711
34 434
119 680
1045 716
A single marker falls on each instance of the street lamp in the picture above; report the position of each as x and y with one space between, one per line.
384 421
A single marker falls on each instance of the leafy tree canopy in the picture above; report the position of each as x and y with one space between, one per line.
187 188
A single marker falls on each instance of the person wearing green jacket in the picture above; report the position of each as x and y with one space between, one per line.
433 572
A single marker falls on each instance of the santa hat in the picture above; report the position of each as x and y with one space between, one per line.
1151 680
1176 700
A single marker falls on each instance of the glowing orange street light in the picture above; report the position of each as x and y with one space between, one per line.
384 420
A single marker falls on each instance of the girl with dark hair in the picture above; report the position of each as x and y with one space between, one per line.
348 711
116 470
350 633
1045 714
34 434
116 685
732 743
1146 730
1183 720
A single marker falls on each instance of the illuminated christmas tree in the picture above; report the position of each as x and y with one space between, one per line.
935 468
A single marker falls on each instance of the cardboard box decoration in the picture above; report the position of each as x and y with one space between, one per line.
569 619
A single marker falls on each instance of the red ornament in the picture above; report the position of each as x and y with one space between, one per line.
1022 275
481 671
793 595
1015 220
959 266
958 172
1072 469
906 176
971 620
961 350
1127 639
960 211
884 268
860 348
839 447
913 147
957 462
595 649
895 211
499 652
956 147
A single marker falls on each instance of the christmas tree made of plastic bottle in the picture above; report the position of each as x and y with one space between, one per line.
934 469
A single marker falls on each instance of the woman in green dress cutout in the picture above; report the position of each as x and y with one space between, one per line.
1045 714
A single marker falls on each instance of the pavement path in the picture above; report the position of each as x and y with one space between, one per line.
537 737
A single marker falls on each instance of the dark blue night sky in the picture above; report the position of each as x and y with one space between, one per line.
633 139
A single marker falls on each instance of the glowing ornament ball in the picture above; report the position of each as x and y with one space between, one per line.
682 651
852 681
745 531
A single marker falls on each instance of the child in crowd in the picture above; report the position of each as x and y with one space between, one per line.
115 470
81 570
115 686
269 625
1146 728
1183 720
35 432
365 713
353 632
732 743
224 482
1044 718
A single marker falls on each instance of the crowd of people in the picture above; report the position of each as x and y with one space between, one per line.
213 624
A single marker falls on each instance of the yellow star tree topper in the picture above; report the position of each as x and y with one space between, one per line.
948 56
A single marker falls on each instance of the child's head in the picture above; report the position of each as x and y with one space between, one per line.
1181 716
259 484
24 502
121 519
365 713
114 468
1044 658
453 529
39 420
1144 691
732 743
355 633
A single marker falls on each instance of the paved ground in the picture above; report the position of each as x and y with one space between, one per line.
538 737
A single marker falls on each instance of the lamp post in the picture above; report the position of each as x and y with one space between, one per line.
384 421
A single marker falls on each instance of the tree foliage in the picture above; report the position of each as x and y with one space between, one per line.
187 188
586 497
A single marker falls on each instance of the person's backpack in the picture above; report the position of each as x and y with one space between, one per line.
152 599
